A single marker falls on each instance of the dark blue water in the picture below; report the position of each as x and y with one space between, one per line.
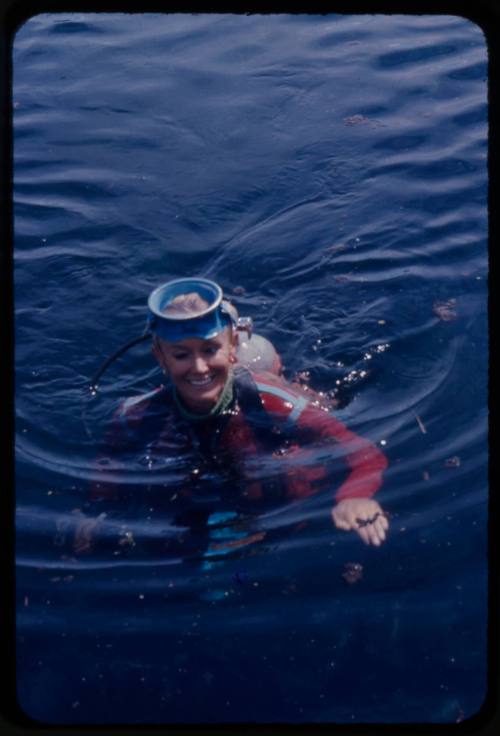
334 168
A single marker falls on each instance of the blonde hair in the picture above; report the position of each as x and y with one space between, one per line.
185 304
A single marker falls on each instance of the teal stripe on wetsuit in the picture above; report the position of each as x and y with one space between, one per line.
298 403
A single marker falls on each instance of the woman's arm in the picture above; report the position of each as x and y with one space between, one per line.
355 509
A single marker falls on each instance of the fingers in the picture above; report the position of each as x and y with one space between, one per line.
373 532
376 533
383 522
367 519
364 534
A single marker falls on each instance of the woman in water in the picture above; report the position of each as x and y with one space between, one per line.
226 405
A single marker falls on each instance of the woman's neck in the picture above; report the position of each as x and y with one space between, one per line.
198 413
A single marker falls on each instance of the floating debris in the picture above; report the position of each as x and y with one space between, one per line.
341 279
354 120
239 291
353 572
452 462
420 424
359 119
425 475
445 310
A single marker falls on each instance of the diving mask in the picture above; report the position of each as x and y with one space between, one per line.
206 316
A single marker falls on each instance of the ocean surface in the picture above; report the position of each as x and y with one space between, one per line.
330 172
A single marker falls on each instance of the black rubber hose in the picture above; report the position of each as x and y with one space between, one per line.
95 378
92 386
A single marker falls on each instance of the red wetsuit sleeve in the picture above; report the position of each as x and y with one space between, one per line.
366 462
310 422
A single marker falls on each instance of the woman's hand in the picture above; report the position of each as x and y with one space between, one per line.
364 516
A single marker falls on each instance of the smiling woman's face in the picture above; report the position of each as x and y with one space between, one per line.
198 368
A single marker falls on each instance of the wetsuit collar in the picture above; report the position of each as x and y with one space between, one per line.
221 406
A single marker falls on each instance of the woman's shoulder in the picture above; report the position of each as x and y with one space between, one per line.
279 394
270 382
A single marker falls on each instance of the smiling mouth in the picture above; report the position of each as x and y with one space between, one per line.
201 382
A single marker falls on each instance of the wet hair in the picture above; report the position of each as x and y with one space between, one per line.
185 304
